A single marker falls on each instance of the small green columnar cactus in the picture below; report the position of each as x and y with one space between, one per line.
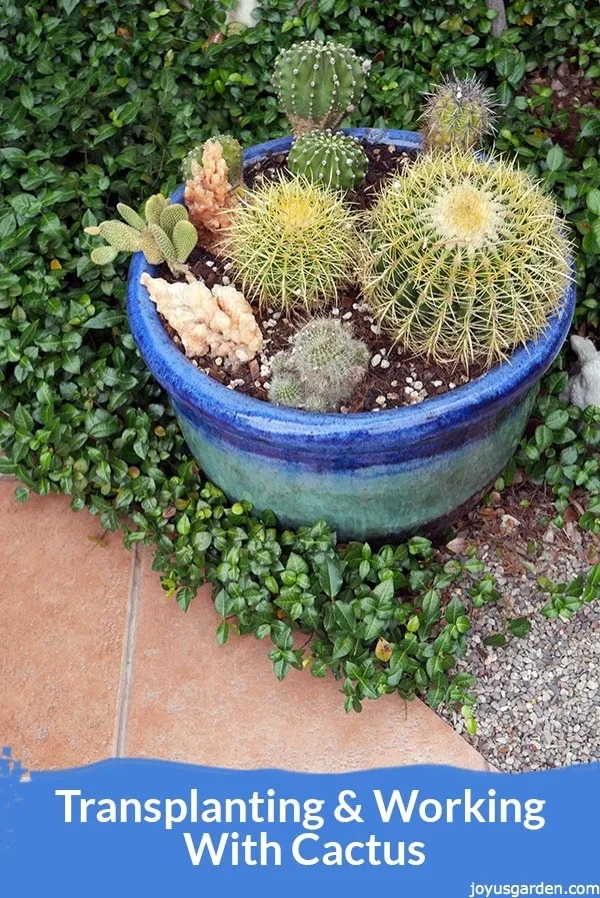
232 154
458 114
165 235
464 259
325 365
318 84
335 160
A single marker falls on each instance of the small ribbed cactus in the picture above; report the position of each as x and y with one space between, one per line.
458 114
318 84
165 235
464 259
232 154
285 388
292 243
322 370
335 160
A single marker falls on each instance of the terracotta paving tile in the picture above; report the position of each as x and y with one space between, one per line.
193 701
63 603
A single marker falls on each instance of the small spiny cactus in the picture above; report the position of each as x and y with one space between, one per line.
458 114
292 243
325 365
165 235
464 259
318 83
285 388
232 154
335 160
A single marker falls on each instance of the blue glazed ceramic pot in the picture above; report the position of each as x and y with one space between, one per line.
368 475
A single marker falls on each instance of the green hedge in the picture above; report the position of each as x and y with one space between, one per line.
100 100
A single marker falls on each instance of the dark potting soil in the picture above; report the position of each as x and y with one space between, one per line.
393 379
385 160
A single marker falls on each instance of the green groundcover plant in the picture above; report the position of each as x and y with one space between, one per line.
100 101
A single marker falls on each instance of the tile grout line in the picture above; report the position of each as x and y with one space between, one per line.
129 643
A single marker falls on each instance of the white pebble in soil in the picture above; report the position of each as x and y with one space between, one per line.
538 698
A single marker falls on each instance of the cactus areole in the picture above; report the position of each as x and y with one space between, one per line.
368 475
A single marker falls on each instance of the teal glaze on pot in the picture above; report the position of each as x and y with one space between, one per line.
369 475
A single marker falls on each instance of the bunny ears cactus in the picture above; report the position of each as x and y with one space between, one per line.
166 234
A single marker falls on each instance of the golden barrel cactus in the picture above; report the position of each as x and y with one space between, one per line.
464 259
292 243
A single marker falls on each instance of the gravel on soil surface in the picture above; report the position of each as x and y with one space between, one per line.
539 696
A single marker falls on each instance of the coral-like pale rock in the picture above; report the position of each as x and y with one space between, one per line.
208 194
217 321
583 388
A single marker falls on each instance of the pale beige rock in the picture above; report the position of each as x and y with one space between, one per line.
217 321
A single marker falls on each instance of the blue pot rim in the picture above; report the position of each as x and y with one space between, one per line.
500 386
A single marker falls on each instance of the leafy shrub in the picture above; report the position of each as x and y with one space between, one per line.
104 100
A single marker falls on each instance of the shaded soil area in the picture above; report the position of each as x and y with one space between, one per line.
516 526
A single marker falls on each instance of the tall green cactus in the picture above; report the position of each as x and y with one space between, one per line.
318 83
165 235
335 160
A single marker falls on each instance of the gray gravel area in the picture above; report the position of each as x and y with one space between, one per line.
539 696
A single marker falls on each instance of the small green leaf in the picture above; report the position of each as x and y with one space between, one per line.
519 626
557 419
222 632
592 200
330 576
495 639
554 158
